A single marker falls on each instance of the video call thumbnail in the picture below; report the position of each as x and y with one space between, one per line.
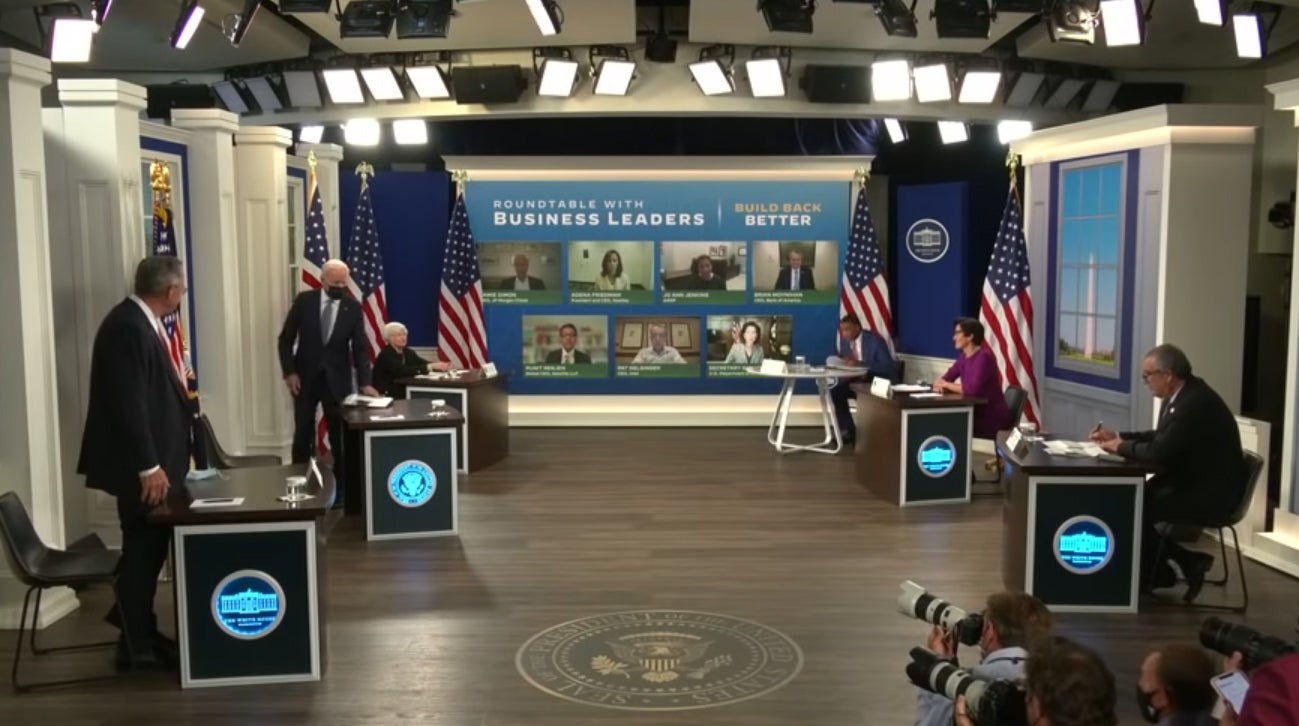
521 272
657 346
703 272
611 272
566 346
737 342
795 272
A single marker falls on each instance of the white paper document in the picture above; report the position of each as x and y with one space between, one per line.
395 417
213 503
930 394
912 387
1073 448
368 401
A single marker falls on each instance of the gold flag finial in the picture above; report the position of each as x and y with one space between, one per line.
461 178
861 176
365 171
311 160
160 182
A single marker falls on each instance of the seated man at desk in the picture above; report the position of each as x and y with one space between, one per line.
1195 448
396 360
975 374
863 348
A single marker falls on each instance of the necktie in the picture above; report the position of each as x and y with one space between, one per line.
568 356
793 280
327 321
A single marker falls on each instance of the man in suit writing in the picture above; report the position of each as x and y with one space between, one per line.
521 279
329 333
863 348
136 445
1196 450
795 276
568 352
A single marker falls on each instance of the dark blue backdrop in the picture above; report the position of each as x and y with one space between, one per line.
931 283
411 212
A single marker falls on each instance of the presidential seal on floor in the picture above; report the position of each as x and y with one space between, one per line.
659 660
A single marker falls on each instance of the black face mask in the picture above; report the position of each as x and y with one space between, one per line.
335 293
1145 702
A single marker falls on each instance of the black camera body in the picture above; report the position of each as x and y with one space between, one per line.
989 703
1257 648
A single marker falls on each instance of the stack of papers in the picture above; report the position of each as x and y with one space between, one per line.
369 401
913 388
1073 448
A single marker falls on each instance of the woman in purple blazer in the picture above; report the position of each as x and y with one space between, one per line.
975 374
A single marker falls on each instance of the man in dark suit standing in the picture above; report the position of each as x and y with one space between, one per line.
1196 450
136 445
329 334
795 276
567 352
522 280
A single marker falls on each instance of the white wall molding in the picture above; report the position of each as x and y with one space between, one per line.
1153 126
666 168
162 132
1287 99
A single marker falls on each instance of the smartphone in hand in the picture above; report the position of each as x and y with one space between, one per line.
1232 687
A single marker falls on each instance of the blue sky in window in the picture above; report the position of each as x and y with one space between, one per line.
1090 235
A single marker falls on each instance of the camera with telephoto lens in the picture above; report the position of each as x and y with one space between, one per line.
988 703
1257 648
915 601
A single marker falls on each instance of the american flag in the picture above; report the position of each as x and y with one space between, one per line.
315 253
366 262
1007 308
865 290
164 243
462 336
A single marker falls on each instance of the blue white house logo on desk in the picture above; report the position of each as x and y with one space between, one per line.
936 456
248 604
1084 545
927 240
412 483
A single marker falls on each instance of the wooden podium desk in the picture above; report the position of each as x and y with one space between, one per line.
249 577
913 451
485 404
401 468
1071 531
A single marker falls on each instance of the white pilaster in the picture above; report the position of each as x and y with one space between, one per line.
328 158
262 200
215 250
94 141
29 424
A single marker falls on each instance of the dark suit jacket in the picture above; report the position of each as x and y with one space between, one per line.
138 416
1196 449
534 283
557 355
345 349
805 280
695 282
390 365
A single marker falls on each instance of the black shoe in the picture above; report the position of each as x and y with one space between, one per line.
1196 570
124 660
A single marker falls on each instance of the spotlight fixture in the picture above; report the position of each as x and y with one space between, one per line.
72 40
768 71
1064 93
1248 28
891 80
382 83
547 15
979 86
953 132
429 79
1211 12
897 132
366 19
424 19
556 71
410 131
344 85
306 6
712 77
230 96
961 18
1072 21
264 93
362 132
1124 22
788 16
1101 96
1024 89
898 18
303 89
238 28
99 10
933 83
1008 131
612 69
187 23
312 134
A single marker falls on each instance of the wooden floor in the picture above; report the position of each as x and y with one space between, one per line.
583 522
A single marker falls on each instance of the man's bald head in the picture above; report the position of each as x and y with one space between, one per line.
334 273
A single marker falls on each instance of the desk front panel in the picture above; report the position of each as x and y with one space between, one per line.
935 455
457 398
411 482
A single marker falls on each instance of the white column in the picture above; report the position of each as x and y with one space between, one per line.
93 145
328 157
215 251
29 425
262 200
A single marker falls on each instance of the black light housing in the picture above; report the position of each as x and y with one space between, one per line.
961 18
1073 21
1019 6
244 21
788 16
366 19
305 6
424 19
898 18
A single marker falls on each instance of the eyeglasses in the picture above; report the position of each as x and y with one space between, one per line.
1145 375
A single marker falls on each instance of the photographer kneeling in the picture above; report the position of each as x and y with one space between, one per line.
1010 621
1066 684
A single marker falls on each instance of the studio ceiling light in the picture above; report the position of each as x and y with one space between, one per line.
556 71
1025 89
897 17
366 19
712 77
267 98
1248 28
1101 96
191 16
1072 21
547 15
410 131
897 132
311 134
788 16
343 85
1211 12
953 132
891 80
1123 22
99 10
612 69
768 72
230 96
979 86
424 19
362 132
242 22
1062 95
303 89
428 81
933 83
72 40
1008 131
961 18
382 83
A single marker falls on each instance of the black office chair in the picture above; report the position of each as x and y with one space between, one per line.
1015 399
221 459
39 567
1253 472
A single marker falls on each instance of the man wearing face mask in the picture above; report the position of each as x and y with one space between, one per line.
1011 620
136 445
329 334
1174 686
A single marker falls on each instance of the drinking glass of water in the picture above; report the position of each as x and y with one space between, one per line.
295 487
800 364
